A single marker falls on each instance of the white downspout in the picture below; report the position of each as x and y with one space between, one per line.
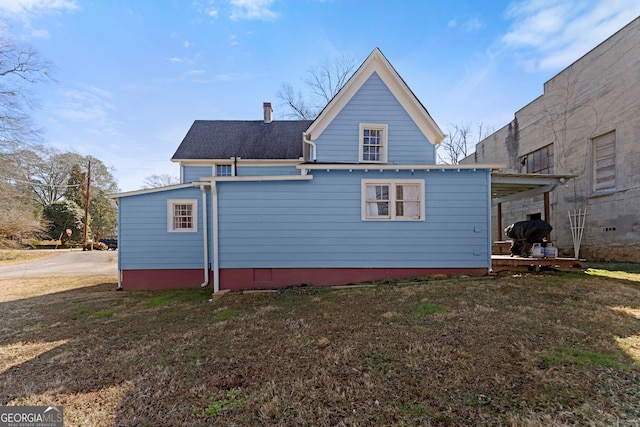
205 247
306 140
119 288
216 258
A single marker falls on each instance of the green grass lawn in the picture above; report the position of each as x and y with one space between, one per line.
549 349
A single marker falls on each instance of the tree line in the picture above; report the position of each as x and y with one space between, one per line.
43 191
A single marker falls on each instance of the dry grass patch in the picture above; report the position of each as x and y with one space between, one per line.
19 256
556 349
15 289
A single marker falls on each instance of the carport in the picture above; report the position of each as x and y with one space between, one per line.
506 187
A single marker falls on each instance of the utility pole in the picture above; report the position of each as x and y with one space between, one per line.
86 209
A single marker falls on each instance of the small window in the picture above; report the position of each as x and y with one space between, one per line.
373 143
224 170
539 161
400 200
604 163
182 215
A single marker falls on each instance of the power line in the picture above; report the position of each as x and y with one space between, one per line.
40 184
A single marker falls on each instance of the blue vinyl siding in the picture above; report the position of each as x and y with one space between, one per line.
318 223
145 243
267 170
374 103
194 173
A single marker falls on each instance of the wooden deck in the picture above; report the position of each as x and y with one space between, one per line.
507 262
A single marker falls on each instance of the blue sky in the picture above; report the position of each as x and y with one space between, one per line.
132 75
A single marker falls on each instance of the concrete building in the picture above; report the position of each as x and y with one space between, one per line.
585 124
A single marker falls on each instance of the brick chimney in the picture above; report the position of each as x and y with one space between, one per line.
268 112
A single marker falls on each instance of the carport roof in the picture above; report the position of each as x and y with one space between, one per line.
507 187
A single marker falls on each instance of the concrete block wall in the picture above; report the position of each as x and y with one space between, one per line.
598 93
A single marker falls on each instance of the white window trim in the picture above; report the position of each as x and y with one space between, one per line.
385 138
170 215
392 198
215 169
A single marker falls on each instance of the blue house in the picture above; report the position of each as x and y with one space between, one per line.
354 195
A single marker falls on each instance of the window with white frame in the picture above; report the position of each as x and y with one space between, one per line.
224 170
182 215
373 143
399 200
604 162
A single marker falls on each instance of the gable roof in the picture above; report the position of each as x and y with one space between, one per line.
248 139
376 62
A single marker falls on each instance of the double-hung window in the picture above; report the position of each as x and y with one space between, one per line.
373 143
182 215
400 200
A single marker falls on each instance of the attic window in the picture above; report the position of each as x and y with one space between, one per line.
373 143
224 170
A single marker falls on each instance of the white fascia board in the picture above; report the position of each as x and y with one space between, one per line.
376 62
149 190
376 166
256 178
239 161
206 180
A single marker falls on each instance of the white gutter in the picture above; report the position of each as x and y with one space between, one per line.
214 217
384 166
205 237
306 140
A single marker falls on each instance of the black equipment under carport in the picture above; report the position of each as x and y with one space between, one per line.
525 233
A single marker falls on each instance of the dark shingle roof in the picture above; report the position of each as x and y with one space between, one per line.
250 139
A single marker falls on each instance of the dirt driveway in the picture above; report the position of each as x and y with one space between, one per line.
68 263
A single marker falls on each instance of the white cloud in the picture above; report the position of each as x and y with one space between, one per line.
469 25
90 105
26 10
552 34
40 34
19 7
252 9
472 24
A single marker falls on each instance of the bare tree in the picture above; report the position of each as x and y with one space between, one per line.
322 82
459 142
19 219
153 181
295 103
42 173
20 68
